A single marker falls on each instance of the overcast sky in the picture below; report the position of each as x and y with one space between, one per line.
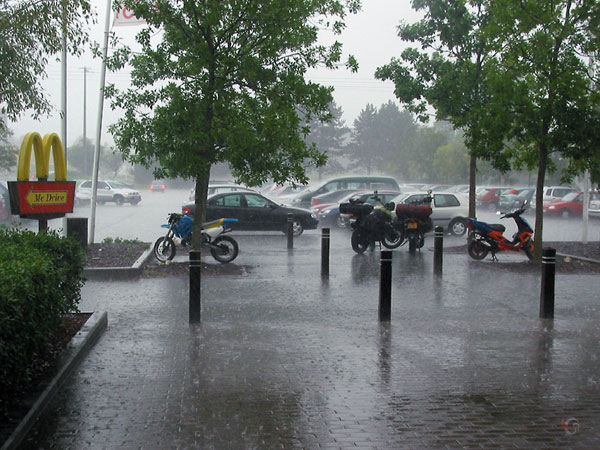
371 36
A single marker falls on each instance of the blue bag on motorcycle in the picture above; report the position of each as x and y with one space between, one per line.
185 226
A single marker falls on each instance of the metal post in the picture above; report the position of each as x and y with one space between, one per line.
548 275
195 286
385 286
325 244
438 250
290 230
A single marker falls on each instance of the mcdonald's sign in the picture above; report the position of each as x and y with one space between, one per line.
41 199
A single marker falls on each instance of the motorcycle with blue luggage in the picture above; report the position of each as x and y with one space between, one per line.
179 230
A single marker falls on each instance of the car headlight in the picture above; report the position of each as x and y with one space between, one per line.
314 216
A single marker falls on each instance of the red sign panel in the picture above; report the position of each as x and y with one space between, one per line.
31 198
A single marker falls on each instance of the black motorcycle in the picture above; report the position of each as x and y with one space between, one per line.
372 224
414 220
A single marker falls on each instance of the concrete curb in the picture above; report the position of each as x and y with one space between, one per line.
118 272
74 353
581 258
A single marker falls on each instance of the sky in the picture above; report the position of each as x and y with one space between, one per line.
371 36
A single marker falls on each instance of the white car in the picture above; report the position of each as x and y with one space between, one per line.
450 210
107 191
594 208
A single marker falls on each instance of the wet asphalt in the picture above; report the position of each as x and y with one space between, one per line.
285 358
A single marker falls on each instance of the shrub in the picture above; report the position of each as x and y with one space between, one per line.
40 281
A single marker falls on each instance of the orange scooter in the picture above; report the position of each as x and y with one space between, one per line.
485 238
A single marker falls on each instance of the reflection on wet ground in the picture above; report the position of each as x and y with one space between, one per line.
286 358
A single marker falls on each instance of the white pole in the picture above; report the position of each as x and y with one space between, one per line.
63 74
63 88
92 224
586 202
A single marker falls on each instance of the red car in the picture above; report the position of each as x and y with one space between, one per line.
570 205
158 186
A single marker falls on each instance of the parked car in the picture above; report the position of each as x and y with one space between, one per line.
331 216
220 188
158 186
488 198
107 191
5 214
570 205
553 193
594 208
255 212
511 200
357 183
330 198
450 210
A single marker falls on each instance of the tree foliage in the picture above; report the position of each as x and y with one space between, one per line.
329 137
30 32
224 81
511 74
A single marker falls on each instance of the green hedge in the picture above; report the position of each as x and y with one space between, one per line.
40 281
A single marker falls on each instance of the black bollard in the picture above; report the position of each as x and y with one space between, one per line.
195 286
325 244
438 250
385 286
548 276
290 231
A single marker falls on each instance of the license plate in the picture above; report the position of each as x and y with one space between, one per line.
413 226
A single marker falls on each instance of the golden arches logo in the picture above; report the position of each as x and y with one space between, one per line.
42 148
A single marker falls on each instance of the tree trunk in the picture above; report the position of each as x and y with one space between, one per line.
200 205
539 204
472 185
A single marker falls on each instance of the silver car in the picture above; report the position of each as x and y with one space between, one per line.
450 210
107 191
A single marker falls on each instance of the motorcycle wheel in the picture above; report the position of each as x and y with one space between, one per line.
359 241
227 251
164 249
421 240
477 250
412 243
393 239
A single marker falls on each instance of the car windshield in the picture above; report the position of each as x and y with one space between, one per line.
570 197
117 185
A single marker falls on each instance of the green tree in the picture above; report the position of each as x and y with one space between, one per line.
30 32
329 137
81 158
545 84
451 162
363 151
509 73
8 151
225 82
448 70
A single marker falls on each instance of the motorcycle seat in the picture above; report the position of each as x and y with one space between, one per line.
497 227
212 223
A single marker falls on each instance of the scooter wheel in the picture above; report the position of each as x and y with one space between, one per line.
477 250
528 249
164 249
227 249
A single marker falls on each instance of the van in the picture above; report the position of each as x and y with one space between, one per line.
358 183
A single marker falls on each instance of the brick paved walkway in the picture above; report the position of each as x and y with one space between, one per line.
284 359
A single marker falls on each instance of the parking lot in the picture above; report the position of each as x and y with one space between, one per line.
284 358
